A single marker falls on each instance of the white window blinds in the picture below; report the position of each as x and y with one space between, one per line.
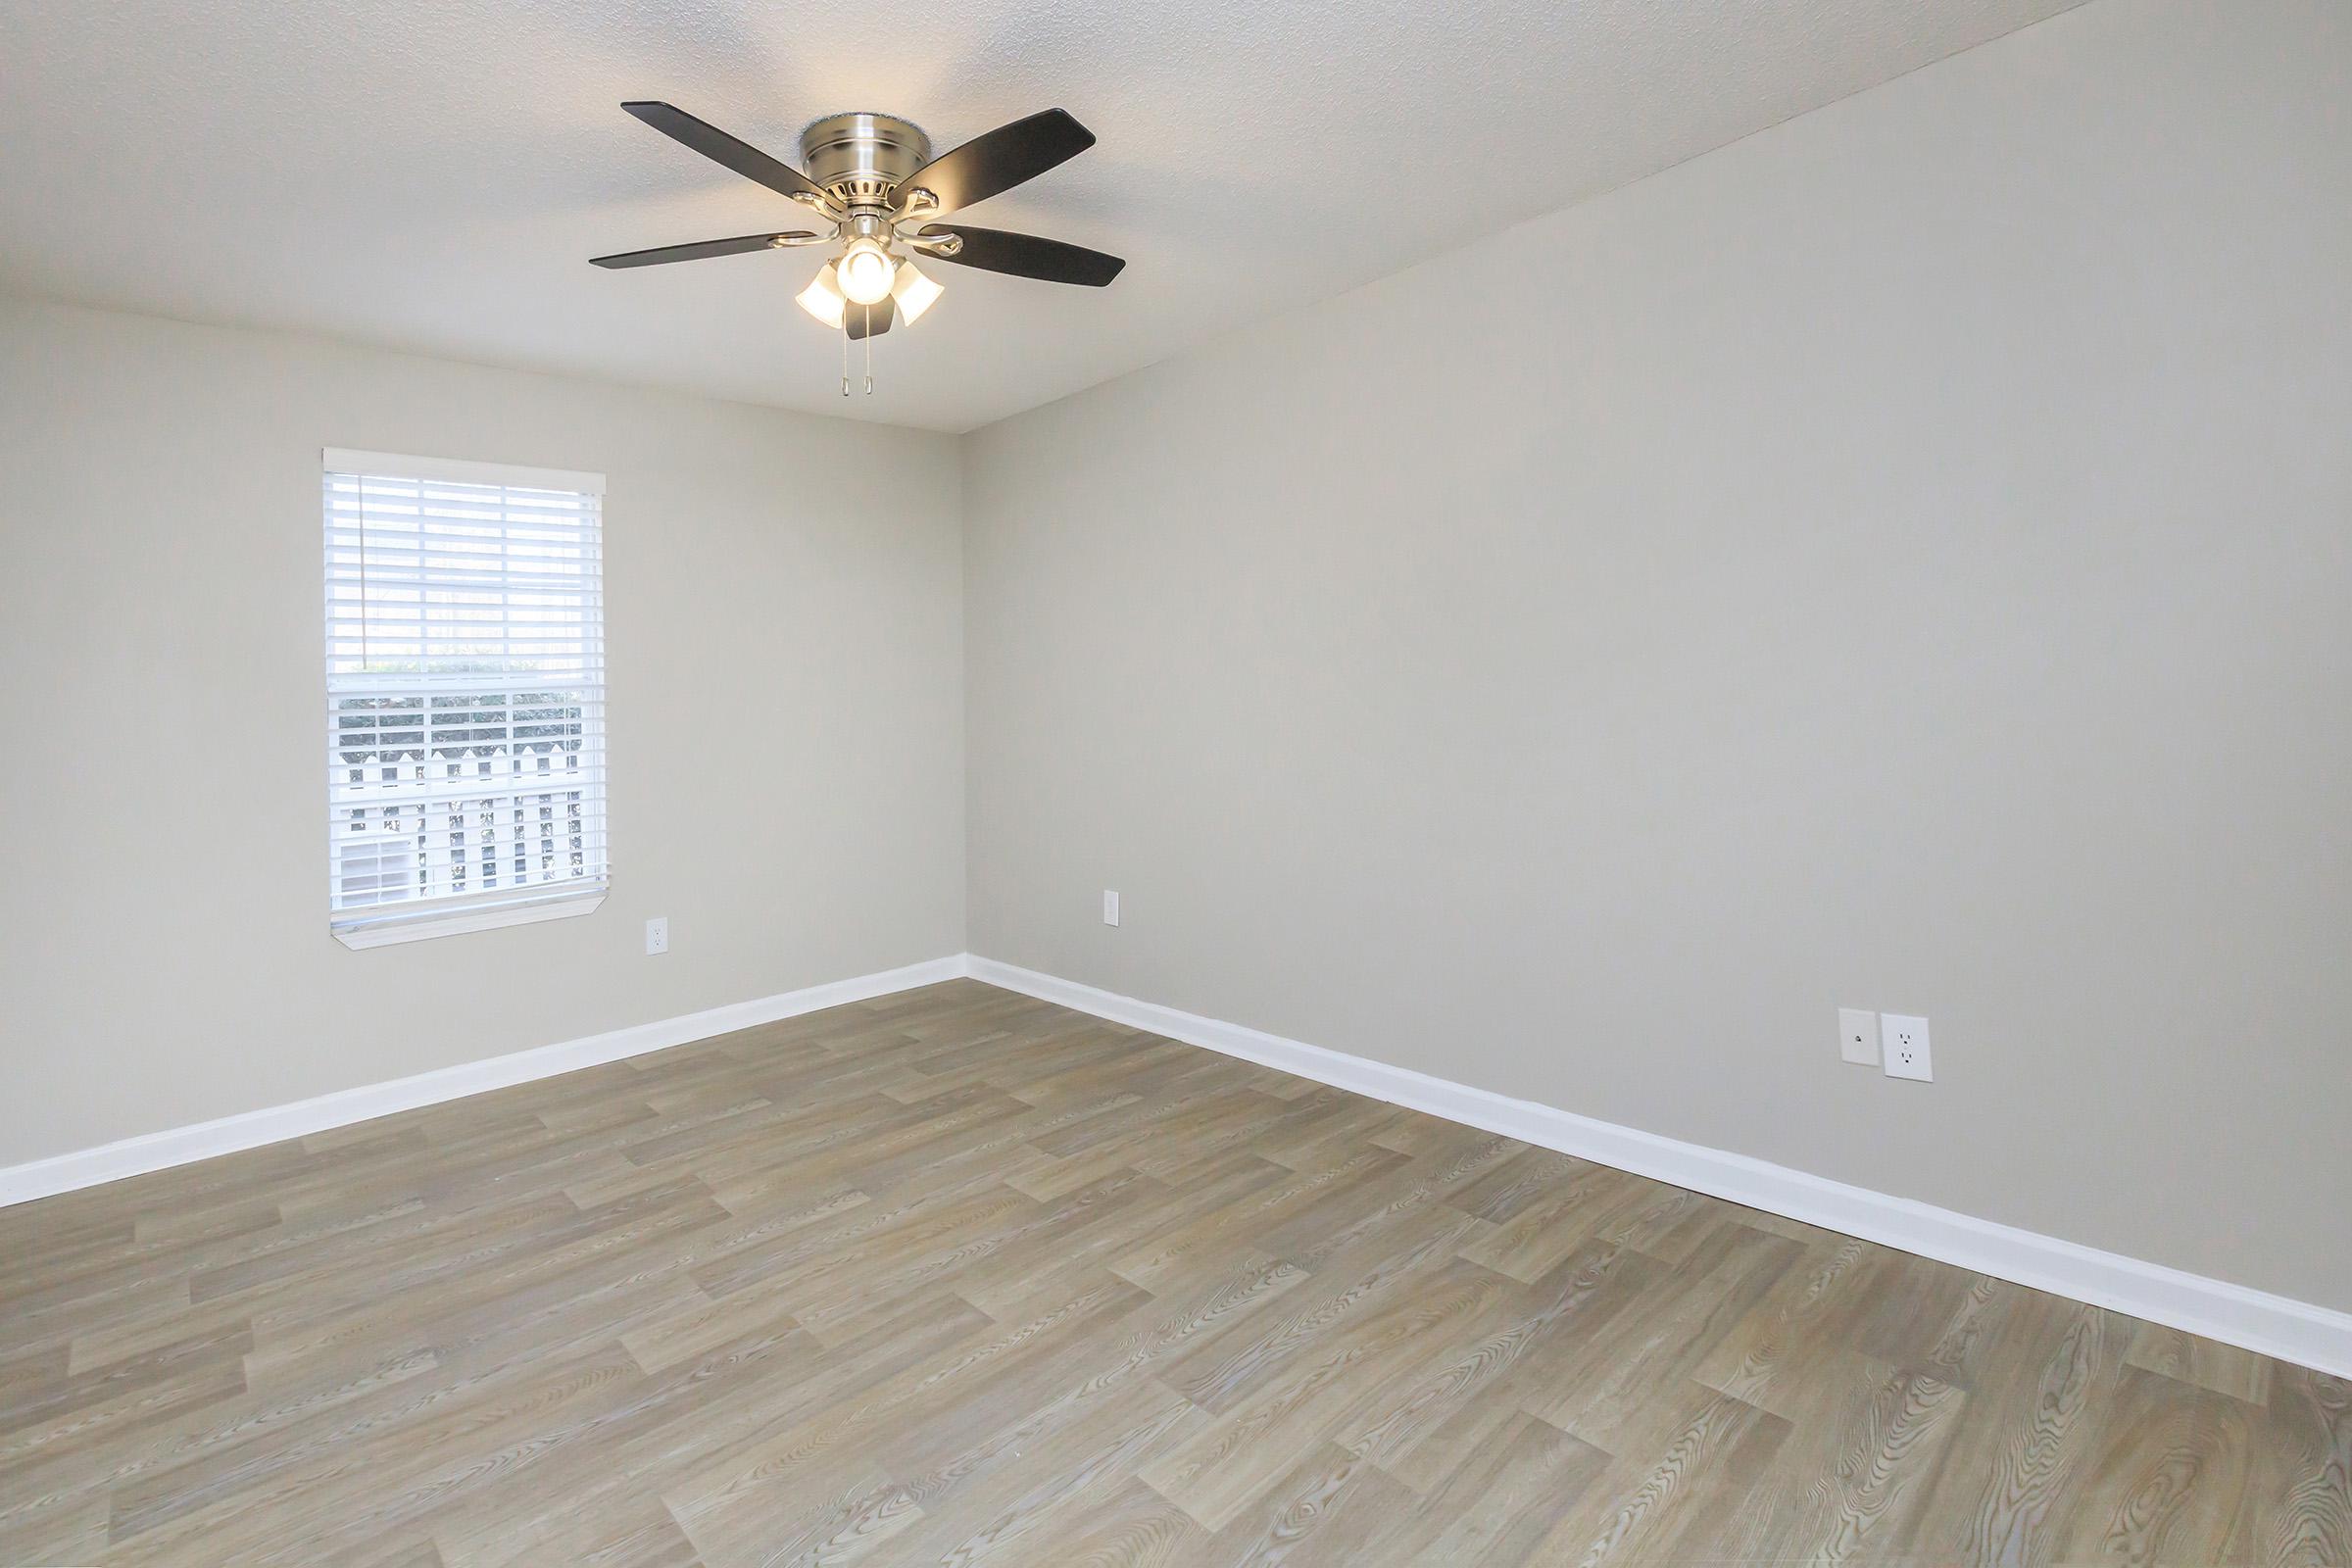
464 688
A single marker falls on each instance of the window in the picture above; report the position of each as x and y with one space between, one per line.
464 696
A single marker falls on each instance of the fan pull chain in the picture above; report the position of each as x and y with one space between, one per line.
845 363
869 351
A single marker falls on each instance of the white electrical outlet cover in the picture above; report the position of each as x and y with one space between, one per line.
1858 1036
657 935
1110 907
1903 1041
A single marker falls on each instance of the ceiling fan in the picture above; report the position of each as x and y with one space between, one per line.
872 182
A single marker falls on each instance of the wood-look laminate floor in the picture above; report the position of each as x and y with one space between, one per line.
956 1276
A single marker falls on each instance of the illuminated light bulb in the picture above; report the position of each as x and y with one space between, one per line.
913 291
822 298
864 270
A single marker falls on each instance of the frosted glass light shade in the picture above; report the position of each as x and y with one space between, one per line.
913 291
824 299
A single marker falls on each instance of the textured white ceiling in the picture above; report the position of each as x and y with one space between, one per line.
434 175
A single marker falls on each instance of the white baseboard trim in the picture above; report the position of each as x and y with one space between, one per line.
178 1145
2274 1325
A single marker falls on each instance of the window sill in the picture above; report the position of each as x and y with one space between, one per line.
421 928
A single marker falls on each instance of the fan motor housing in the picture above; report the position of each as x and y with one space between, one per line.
862 156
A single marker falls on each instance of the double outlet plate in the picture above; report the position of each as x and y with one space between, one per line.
1894 1040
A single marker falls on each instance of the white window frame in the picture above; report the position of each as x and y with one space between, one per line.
417 919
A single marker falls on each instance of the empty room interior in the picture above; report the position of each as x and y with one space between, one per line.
1553 783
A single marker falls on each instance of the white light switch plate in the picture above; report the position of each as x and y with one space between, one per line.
1903 1041
1858 1036
1110 907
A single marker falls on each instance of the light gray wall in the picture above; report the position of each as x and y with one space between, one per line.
786 720
1903 560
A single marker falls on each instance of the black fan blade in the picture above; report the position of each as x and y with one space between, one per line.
716 144
697 251
1027 256
868 320
1000 160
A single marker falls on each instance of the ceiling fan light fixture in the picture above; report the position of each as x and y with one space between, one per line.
875 188
823 298
865 272
913 291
